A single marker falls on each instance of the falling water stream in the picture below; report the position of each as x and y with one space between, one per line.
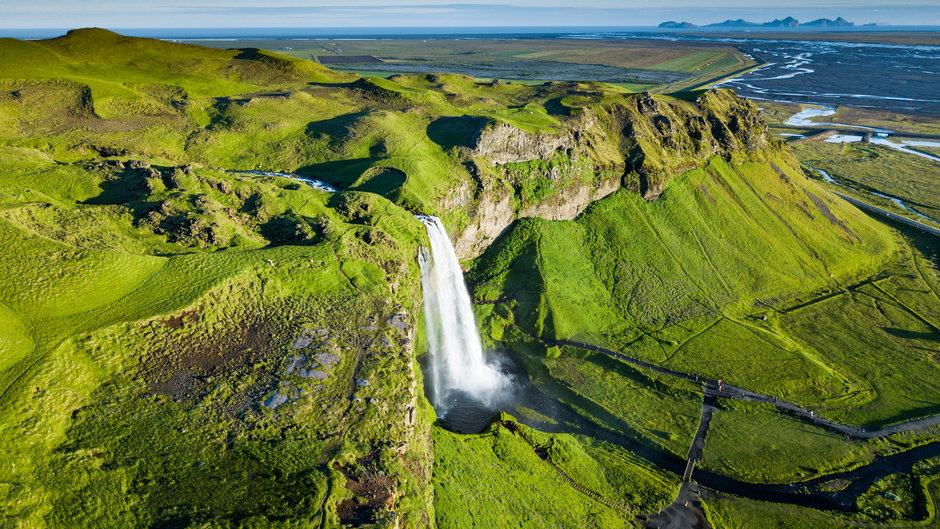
464 387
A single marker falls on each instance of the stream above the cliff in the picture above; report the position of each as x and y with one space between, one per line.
312 182
466 388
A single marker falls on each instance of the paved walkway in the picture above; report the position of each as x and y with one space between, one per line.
710 395
686 511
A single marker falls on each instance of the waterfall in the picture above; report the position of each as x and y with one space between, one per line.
456 363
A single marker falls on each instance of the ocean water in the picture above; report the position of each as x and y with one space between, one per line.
894 77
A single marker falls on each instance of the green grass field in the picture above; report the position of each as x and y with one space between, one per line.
875 168
91 287
702 65
655 409
738 445
495 479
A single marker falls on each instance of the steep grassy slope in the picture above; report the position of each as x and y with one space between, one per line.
495 479
721 237
717 278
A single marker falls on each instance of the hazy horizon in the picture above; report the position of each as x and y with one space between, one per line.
134 14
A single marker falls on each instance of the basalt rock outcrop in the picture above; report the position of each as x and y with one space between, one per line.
661 140
637 142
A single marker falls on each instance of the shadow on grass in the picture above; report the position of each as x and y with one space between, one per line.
337 128
927 244
342 173
908 334
130 188
462 131
577 414
687 95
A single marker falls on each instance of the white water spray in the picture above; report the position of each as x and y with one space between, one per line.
456 358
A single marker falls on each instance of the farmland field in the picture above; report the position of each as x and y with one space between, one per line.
640 64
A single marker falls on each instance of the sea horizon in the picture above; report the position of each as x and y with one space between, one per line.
288 33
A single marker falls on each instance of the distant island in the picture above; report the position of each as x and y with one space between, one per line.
677 25
788 22
829 23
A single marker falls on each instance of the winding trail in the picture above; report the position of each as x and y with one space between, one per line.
686 513
728 391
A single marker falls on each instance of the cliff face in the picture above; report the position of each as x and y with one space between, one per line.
638 142
664 139
502 143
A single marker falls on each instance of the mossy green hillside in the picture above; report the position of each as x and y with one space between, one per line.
723 236
735 272
496 479
92 54
738 445
149 312
431 143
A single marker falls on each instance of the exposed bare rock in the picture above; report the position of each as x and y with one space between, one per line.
569 202
489 216
294 364
638 143
275 400
399 321
327 360
503 143
312 373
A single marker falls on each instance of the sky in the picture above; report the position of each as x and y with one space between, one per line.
425 13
